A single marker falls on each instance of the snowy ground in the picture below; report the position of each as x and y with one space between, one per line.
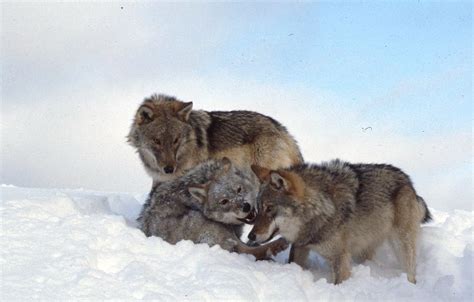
71 244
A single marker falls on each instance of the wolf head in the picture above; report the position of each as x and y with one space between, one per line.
163 137
229 197
281 194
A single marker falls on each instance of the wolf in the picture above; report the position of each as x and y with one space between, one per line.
171 138
172 214
341 211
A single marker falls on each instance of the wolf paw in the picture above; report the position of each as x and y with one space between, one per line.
277 246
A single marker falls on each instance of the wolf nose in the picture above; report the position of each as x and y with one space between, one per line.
246 207
168 169
252 236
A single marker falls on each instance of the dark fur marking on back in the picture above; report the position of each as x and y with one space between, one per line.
224 134
199 136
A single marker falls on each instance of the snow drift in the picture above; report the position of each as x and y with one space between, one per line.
72 244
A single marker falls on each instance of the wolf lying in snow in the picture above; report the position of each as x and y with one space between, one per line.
176 210
340 210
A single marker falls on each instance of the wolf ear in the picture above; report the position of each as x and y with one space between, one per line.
261 172
278 181
144 115
184 110
199 192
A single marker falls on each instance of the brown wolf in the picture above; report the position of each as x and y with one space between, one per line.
340 210
171 138
172 214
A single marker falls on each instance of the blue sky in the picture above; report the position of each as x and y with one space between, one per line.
74 73
362 53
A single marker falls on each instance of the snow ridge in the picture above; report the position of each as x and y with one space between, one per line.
73 244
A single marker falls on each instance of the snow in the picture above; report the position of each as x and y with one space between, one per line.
72 244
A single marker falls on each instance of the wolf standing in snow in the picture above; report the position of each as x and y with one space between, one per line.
340 210
171 138
171 213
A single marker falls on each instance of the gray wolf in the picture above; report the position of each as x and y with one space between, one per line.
171 138
341 211
171 212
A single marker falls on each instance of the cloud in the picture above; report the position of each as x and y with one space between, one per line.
75 45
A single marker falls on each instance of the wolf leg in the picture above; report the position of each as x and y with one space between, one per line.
408 254
407 223
264 251
299 255
341 267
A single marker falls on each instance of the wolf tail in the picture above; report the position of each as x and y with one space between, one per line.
427 217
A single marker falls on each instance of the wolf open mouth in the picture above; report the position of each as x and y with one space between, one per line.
250 218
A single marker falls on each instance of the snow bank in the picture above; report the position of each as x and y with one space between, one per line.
73 244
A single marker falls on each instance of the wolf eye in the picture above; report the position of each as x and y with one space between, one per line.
157 141
268 209
223 201
175 141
